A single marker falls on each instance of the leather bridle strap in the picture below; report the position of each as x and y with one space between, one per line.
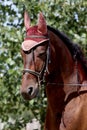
31 72
35 73
36 36
45 65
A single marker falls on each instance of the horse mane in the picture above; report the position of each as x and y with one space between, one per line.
74 48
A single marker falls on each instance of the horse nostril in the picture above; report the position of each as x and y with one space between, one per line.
30 90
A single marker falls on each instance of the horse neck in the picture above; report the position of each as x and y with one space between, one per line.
61 59
62 62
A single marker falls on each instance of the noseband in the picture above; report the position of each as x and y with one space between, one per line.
44 68
37 74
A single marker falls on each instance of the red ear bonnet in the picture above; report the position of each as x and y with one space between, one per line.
35 35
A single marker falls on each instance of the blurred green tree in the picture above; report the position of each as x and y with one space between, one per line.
69 16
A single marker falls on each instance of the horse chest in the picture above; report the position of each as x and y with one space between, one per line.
74 116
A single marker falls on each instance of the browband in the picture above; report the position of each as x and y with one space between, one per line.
36 36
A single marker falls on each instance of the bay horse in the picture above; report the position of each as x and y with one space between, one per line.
49 53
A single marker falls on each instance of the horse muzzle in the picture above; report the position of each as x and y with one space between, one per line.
29 92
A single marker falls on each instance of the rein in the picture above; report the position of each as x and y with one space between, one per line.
67 84
78 84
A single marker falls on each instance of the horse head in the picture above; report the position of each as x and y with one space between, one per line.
34 53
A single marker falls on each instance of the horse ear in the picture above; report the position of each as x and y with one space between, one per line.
42 27
26 20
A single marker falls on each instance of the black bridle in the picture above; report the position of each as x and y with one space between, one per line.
40 75
44 69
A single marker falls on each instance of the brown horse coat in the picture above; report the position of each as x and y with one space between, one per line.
66 75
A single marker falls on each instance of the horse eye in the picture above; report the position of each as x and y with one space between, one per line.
41 54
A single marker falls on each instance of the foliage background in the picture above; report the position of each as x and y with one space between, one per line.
69 16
